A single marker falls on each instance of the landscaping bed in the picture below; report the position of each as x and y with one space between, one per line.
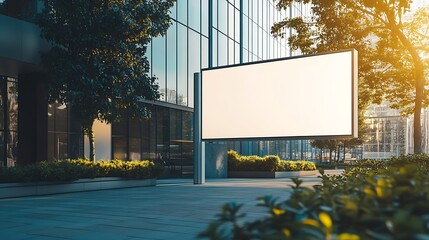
79 175
267 167
373 200
10 190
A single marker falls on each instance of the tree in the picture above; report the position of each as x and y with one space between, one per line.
391 43
97 62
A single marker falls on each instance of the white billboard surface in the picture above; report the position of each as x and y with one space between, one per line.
301 97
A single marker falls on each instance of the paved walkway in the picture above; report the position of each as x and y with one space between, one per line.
174 209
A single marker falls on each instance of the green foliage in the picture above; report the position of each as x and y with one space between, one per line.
97 63
270 163
392 45
374 200
70 170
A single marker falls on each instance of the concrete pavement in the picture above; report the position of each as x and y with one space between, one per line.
174 209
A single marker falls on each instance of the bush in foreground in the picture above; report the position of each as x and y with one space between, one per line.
270 163
382 200
70 170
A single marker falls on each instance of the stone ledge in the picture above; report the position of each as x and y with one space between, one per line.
258 174
11 190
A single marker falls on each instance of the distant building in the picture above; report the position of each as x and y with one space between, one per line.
390 134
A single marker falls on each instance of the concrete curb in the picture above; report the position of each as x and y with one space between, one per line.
11 190
257 174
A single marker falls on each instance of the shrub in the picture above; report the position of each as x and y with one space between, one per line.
270 163
70 170
376 200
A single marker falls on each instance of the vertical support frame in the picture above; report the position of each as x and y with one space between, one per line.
199 154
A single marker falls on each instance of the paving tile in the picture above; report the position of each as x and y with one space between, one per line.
174 209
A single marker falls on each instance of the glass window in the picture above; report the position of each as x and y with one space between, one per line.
12 148
182 11
223 16
134 128
119 145
2 158
223 50
60 118
231 52
51 144
75 146
230 21
119 128
12 95
51 116
194 63
158 64
245 56
255 38
171 92
245 32
135 149
204 52
205 17
237 26
173 11
194 14
3 100
245 7
237 53
182 66
215 49
162 132
187 146
61 144
214 13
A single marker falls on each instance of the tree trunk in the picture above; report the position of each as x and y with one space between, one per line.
419 80
330 155
321 155
417 113
91 144
344 156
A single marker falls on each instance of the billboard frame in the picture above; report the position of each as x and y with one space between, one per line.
354 100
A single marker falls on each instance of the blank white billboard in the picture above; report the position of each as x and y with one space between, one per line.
311 96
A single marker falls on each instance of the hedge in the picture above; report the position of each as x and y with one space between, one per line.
375 200
270 163
70 170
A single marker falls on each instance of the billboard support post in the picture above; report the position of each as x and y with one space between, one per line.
199 147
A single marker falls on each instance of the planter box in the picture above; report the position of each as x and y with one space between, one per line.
257 174
10 190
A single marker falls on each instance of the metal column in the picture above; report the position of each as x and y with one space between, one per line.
199 147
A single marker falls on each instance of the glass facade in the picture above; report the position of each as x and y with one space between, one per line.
217 33
165 137
65 138
8 121
387 133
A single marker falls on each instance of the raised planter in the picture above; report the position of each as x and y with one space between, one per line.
257 174
10 190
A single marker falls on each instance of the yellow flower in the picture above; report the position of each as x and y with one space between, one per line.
381 182
348 236
277 211
350 205
286 232
369 192
325 219
380 192
310 222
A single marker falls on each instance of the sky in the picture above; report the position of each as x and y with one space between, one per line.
418 3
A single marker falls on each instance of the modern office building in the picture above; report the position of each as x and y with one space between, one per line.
203 34
387 132
390 134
